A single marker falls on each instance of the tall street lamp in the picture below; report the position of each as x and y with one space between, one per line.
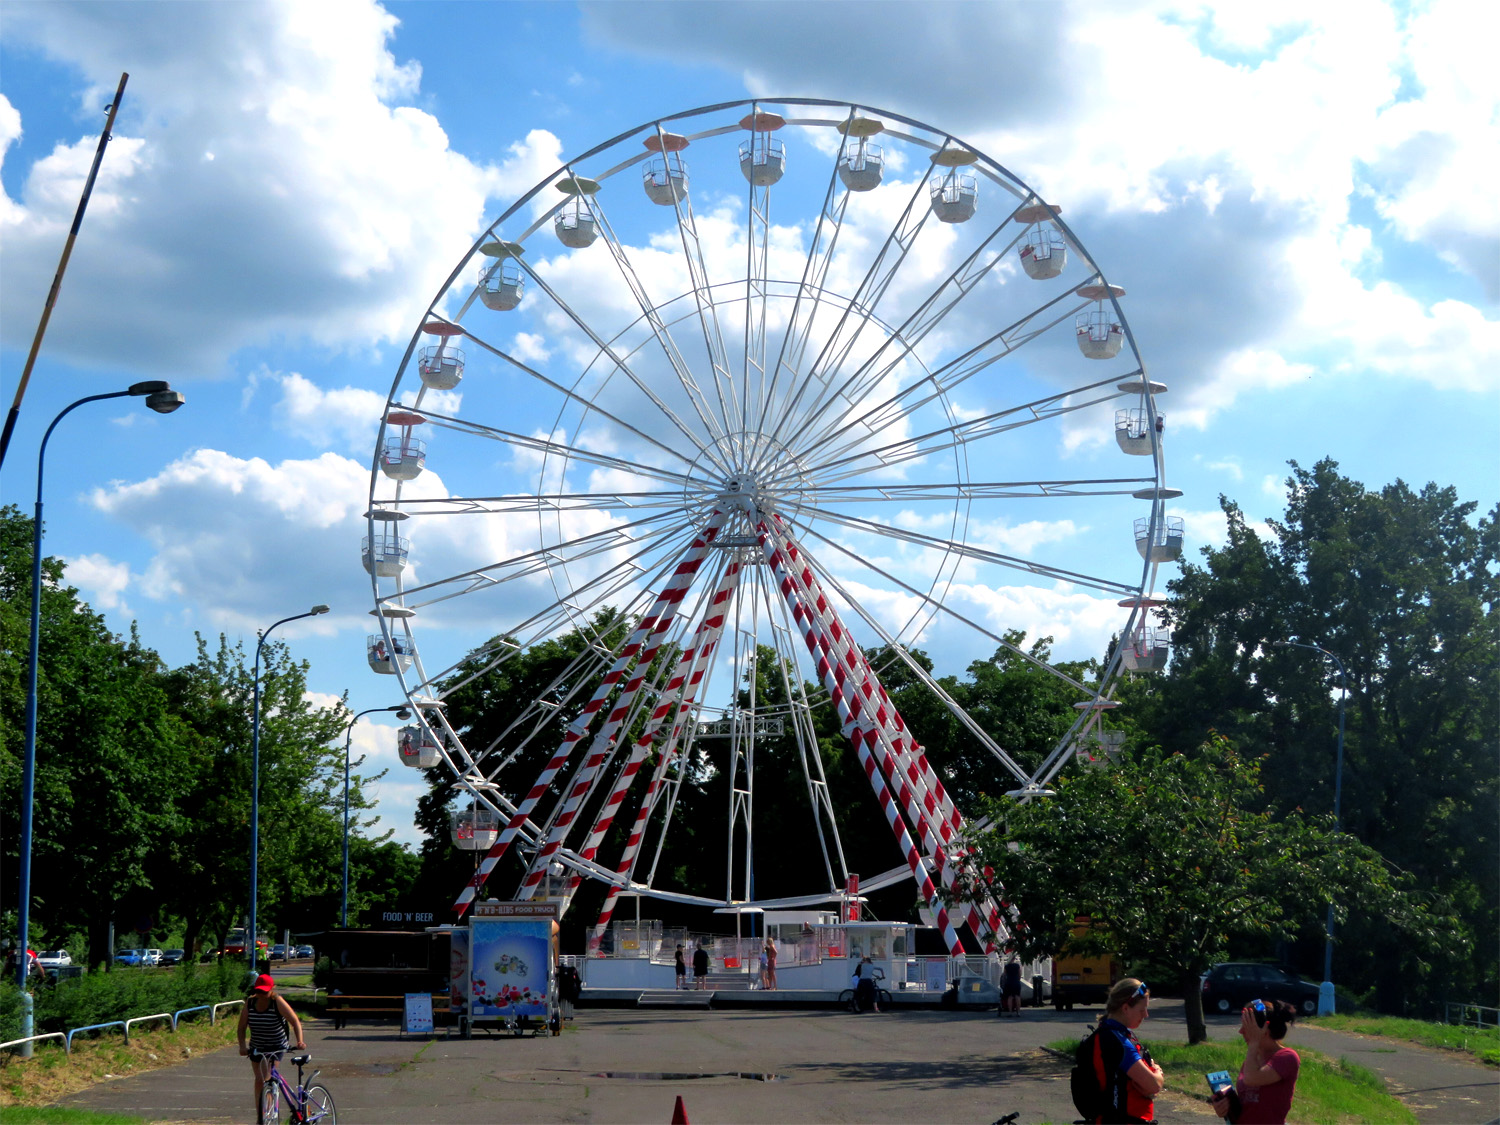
403 714
161 398
252 933
1325 994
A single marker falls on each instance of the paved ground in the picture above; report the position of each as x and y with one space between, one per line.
920 1066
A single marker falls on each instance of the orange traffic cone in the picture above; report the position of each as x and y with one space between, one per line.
679 1112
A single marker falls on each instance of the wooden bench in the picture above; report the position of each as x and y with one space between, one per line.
440 1005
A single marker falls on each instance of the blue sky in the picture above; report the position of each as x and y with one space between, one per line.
1299 202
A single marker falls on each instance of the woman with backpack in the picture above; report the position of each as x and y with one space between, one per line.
1114 1074
1268 1077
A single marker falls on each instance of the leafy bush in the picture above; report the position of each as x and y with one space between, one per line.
125 993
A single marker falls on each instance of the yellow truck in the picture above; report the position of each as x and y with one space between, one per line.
1082 980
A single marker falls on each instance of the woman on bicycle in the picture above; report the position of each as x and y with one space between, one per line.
268 1018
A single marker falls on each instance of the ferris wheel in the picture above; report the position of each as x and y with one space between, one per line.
795 377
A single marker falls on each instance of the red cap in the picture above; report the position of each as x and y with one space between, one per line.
264 983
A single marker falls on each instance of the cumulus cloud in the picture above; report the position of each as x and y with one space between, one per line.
1216 183
101 580
305 198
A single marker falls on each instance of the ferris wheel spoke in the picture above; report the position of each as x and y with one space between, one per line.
557 502
556 448
861 308
648 531
939 606
712 424
962 433
567 393
617 361
703 299
820 251
969 551
857 423
975 490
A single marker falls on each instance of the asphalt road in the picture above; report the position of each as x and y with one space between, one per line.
742 1066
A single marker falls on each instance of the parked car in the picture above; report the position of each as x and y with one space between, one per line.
1229 986
151 956
54 958
278 952
304 951
172 956
130 957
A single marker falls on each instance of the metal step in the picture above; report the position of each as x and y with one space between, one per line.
674 998
729 982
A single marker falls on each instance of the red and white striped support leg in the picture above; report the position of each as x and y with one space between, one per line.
858 680
675 702
860 731
914 783
665 606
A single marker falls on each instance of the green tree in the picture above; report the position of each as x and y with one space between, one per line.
1176 857
109 755
301 796
1401 585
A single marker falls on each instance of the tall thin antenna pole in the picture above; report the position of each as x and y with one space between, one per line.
41 329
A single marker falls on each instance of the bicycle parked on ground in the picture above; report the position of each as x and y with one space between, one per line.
297 1105
849 998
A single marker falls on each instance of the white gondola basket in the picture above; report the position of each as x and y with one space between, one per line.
665 179
441 367
1100 336
955 197
501 287
1147 650
575 225
1133 432
1044 254
391 657
861 170
384 555
475 829
416 748
762 160
403 457
1162 543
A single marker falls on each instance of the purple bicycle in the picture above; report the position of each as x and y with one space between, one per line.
302 1104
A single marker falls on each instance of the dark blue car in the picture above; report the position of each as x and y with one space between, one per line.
1229 986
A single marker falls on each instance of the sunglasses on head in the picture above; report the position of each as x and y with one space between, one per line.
1139 992
1259 1008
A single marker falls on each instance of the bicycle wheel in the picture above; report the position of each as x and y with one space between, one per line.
270 1103
846 1000
885 999
319 1106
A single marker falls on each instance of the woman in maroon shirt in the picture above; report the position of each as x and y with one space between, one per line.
1268 1076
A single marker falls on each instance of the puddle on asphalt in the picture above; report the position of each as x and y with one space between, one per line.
672 1076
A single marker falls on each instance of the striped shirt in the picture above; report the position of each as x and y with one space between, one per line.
268 1032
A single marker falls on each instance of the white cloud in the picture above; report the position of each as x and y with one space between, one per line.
329 211
101 580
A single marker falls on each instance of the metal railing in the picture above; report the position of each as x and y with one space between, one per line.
96 1027
36 1039
1470 1015
143 1019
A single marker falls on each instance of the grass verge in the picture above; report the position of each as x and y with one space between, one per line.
1329 1091
52 1074
32 1115
1483 1045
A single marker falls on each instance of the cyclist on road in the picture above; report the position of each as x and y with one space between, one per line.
267 1016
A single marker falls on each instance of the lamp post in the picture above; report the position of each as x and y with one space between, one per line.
250 936
1325 994
401 713
161 398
